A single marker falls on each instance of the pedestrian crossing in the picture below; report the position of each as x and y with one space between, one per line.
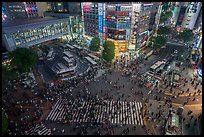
38 129
58 111
93 111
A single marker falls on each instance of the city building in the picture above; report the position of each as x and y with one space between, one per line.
153 13
90 18
114 21
140 25
185 14
22 10
64 7
13 10
118 25
26 33
72 10
191 15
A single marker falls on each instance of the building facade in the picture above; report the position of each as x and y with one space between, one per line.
14 10
33 32
90 18
114 21
191 15
140 25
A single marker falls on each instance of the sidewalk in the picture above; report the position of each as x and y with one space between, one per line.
187 74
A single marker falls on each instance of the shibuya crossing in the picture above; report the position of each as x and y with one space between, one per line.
102 68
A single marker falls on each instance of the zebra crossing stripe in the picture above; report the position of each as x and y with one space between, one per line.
53 108
141 113
131 113
89 106
55 112
121 113
112 111
137 113
85 111
73 117
55 116
126 113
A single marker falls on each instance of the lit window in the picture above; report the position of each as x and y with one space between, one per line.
59 4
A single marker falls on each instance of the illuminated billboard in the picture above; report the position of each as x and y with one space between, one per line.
87 6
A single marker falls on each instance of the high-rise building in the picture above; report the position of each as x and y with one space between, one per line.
14 10
90 17
118 25
191 15
22 10
140 25
64 7
153 13
124 23
185 14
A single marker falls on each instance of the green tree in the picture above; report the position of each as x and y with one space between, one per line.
23 59
8 73
95 44
165 16
163 30
159 41
186 35
4 124
109 51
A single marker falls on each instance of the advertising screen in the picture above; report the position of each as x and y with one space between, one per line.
87 7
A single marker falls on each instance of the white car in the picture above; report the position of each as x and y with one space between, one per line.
175 51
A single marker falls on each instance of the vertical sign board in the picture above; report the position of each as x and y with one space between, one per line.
87 6
104 17
100 21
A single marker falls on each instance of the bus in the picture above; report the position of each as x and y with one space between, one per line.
62 70
70 47
68 62
50 55
92 62
68 54
63 46
95 58
155 66
77 47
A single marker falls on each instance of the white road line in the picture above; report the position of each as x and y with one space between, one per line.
53 109
126 113
121 108
123 112
85 111
141 113
131 113
137 113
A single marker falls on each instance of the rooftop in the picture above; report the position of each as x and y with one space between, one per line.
26 21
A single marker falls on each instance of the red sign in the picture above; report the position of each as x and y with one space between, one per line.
194 67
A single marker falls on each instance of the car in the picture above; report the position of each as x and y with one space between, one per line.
180 111
165 60
175 51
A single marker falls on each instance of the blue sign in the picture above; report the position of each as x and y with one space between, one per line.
200 72
100 23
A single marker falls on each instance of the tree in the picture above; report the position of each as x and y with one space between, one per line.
159 41
4 124
165 16
8 73
186 35
109 51
23 59
95 44
163 30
